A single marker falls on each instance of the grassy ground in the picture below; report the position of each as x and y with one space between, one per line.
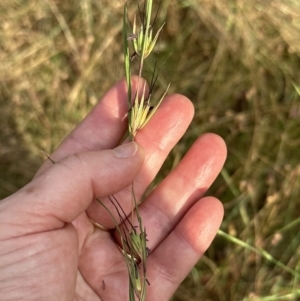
237 60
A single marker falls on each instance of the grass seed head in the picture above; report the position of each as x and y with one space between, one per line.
141 35
142 111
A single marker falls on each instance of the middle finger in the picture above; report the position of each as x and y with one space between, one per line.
183 187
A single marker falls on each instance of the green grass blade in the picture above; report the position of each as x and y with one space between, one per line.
259 252
127 54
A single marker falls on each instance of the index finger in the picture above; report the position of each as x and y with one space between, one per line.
103 128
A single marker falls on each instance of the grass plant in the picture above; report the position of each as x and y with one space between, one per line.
140 110
236 60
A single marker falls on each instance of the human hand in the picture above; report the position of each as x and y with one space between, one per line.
49 249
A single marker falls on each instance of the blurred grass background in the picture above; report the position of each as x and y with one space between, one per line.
237 60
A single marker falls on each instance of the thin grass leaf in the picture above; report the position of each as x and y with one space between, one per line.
260 252
126 54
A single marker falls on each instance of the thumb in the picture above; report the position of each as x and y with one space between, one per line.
65 190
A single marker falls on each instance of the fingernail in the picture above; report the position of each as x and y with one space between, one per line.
126 150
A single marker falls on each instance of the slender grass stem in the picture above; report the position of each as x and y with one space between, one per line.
134 239
259 252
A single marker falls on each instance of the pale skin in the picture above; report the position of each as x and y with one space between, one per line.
49 250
